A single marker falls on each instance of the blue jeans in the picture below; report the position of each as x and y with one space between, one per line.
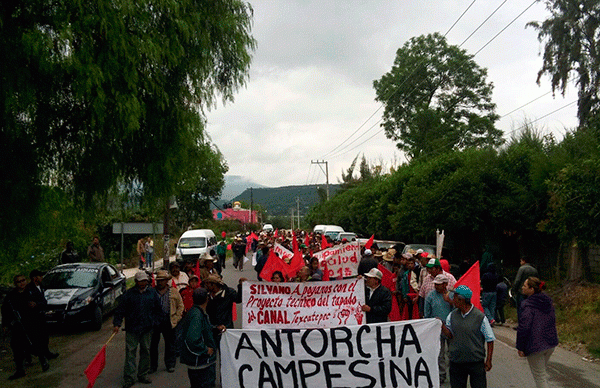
488 302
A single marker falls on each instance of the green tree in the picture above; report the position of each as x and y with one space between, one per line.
436 99
95 94
571 37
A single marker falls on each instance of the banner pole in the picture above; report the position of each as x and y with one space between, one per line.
110 339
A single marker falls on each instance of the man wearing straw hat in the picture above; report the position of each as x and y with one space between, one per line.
140 307
171 313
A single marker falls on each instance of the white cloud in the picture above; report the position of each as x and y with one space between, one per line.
311 80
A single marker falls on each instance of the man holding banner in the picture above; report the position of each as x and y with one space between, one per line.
378 299
468 331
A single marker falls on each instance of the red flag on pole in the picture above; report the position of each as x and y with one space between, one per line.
297 261
388 281
307 240
294 242
96 366
276 234
324 244
370 242
274 263
471 280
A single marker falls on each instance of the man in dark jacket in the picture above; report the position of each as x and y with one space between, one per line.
525 271
140 306
19 317
199 346
220 301
367 262
378 299
220 305
38 305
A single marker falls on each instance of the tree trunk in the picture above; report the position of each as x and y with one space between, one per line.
575 267
558 259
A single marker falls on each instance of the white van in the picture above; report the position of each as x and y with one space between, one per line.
319 229
195 243
333 231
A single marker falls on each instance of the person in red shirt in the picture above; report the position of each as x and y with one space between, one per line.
187 292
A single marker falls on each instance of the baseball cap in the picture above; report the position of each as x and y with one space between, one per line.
441 278
463 291
374 273
141 275
433 263
368 252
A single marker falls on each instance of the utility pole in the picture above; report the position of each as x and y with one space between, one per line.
326 172
298 212
251 200
292 219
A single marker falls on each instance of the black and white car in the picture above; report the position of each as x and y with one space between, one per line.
82 293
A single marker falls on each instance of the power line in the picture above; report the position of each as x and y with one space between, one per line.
339 153
392 93
415 69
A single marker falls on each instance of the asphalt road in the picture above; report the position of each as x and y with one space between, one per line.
567 369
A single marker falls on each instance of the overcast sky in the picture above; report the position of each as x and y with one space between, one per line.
311 81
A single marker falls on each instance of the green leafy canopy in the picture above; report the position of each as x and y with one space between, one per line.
436 99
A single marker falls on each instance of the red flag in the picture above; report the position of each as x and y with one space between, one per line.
276 234
274 263
324 244
96 366
471 280
294 243
307 240
370 242
388 281
252 236
325 270
297 261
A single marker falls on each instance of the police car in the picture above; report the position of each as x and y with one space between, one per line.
82 293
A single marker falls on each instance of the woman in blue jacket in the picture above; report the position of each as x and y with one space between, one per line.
536 334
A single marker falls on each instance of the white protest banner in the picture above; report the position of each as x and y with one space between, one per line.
284 253
392 354
302 305
342 260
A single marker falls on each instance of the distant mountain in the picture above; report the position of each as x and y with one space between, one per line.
279 201
235 185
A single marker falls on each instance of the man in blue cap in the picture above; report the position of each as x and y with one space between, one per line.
468 331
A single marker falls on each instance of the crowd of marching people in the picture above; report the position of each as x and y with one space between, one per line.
189 306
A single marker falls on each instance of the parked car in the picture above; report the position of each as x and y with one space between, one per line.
82 293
